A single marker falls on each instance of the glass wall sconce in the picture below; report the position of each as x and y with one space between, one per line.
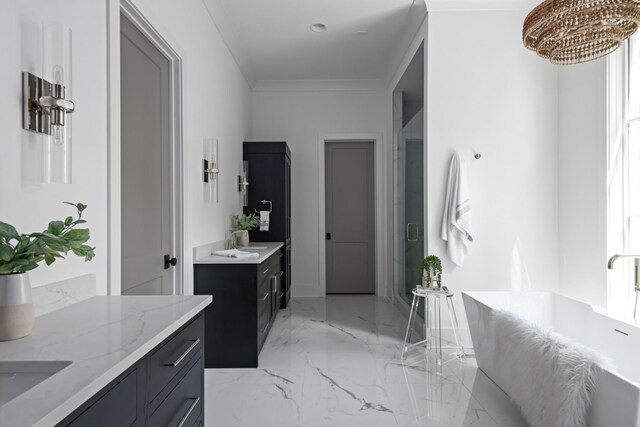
243 183
46 103
210 170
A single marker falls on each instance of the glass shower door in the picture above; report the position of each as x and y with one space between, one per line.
408 139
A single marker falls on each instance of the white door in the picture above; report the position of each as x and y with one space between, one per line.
145 168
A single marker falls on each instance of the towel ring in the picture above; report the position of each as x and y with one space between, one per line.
264 202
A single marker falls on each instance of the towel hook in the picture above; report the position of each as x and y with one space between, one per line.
264 202
477 155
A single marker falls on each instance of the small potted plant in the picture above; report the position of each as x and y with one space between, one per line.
20 253
241 226
432 271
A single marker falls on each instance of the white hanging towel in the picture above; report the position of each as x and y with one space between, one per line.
264 220
456 220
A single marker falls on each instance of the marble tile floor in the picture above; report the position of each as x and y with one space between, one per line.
335 361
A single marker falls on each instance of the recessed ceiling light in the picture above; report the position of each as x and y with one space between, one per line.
318 28
362 32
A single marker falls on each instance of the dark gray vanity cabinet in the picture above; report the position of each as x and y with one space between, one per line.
269 175
246 298
164 388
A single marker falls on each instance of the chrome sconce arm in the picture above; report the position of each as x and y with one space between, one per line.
44 104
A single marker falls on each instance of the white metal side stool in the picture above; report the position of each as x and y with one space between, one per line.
433 322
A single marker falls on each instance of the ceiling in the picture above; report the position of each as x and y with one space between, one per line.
272 40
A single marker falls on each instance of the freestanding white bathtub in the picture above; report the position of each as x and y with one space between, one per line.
616 402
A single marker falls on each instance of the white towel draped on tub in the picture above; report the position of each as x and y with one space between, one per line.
550 377
456 220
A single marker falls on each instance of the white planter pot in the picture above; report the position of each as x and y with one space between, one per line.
243 238
16 306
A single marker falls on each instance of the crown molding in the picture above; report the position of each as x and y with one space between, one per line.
319 85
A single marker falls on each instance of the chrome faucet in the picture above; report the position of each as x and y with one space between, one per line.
636 277
616 256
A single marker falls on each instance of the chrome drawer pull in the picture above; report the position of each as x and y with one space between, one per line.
184 419
264 297
266 271
193 345
265 328
280 294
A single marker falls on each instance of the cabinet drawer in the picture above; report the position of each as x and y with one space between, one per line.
183 406
264 270
167 361
122 396
269 267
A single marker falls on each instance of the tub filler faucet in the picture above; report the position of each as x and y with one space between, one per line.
636 275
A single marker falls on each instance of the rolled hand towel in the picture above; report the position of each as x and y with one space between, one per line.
235 253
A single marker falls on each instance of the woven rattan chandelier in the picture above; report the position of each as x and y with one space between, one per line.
573 31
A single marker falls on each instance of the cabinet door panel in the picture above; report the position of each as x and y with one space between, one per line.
117 407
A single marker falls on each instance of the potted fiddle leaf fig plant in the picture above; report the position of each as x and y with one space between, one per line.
432 271
21 253
242 224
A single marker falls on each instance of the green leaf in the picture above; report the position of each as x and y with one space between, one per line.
29 267
68 221
8 231
6 268
6 252
49 259
56 227
76 236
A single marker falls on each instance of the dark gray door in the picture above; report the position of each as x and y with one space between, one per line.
145 165
350 217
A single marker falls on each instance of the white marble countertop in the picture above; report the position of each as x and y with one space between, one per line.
264 249
102 337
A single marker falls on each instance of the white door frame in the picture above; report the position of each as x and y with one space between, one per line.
114 221
379 205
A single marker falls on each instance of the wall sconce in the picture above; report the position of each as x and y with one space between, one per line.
43 104
243 183
46 93
210 170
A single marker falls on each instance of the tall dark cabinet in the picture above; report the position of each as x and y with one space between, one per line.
269 176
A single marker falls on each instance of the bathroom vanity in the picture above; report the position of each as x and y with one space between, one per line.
107 361
247 292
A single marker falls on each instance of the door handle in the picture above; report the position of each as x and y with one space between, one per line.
409 225
169 262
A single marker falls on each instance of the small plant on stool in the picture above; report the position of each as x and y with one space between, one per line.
432 270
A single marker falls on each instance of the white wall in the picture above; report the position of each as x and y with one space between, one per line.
216 104
301 114
488 94
582 182
30 208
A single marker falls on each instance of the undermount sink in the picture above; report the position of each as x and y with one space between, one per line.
253 248
18 377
